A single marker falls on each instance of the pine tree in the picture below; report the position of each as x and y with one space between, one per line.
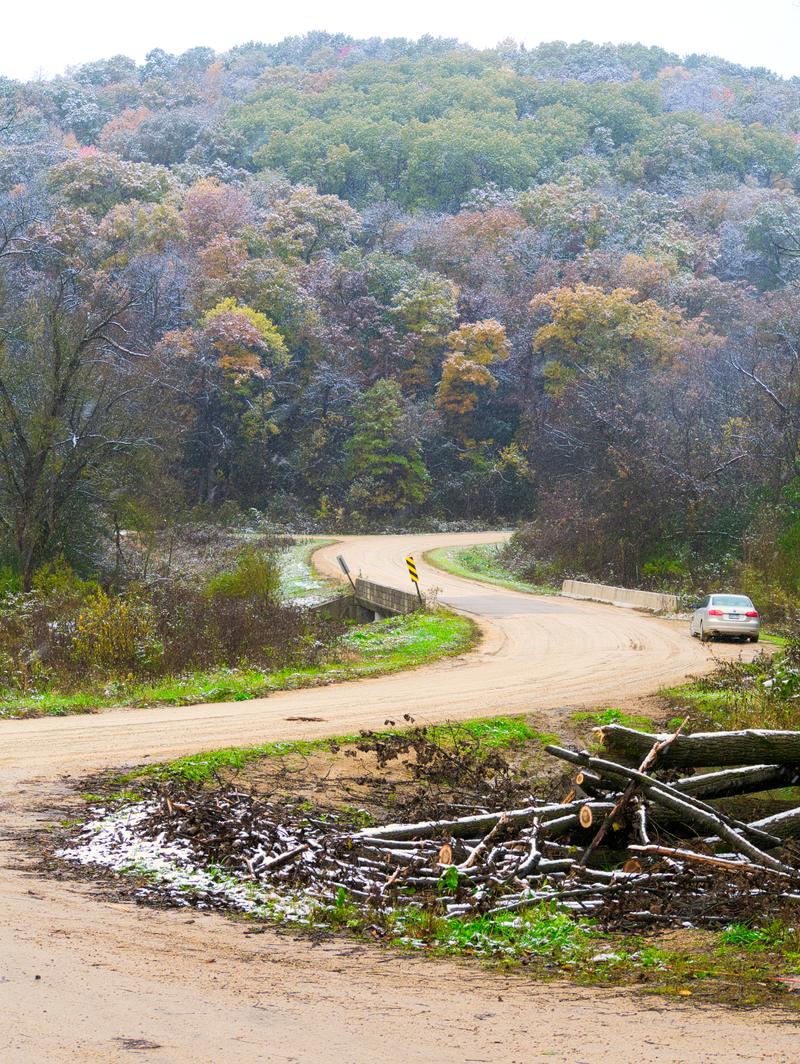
384 464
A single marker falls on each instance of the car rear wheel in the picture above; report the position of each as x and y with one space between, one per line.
704 638
753 638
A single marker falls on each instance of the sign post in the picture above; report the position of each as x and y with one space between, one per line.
345 569
412 572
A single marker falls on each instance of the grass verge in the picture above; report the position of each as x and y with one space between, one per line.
773 639
495 733
740 965
597 718
391 645
482 562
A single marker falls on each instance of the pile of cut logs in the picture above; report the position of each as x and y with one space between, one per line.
629 845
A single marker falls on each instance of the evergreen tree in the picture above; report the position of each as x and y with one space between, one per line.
384 464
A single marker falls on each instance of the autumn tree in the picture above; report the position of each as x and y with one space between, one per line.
212 209
384 465
307 224
631 447
78 391
570 217
221 371
466 372
97 181
595 333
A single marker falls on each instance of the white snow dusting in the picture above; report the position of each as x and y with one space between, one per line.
112 840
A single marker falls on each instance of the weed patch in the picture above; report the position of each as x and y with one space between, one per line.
391 645
597 718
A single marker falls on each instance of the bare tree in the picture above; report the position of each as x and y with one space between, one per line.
73 378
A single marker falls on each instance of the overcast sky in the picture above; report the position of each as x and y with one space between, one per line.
45 36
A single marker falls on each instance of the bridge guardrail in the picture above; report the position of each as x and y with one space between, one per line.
621 596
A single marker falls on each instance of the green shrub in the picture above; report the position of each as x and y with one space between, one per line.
775 602
256 575
10 581
57 579
742 936
68 632
665 573
116 635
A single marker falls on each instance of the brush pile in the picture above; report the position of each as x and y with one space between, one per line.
650 845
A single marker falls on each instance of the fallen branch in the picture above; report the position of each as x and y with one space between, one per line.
733 781
654 788
650 760
752 746
702 858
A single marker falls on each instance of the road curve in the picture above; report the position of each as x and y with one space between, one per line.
538 654
86 980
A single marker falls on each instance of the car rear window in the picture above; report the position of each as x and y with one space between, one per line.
730 600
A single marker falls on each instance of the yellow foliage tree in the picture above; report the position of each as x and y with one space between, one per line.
465 372
594 333
244 340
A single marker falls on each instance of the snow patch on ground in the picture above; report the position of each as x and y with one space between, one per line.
298 581
112 840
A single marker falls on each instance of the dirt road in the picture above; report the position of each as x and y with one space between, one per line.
115 981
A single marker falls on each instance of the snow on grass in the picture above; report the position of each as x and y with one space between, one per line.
299 582
121 840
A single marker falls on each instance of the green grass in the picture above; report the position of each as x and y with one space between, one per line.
711 708
614 716
494 732
735 966
694 696
740 936
504 732
732 707
391 645
774 640
544 931
299 580
199 768
482 562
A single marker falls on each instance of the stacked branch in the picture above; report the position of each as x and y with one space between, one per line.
631 845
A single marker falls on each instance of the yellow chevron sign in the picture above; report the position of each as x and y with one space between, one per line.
412 569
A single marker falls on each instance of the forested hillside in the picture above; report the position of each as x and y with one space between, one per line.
379 283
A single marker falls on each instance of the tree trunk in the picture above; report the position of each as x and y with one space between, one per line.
750 747
668 795
735 781
785 825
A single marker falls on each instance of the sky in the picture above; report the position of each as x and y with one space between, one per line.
43 37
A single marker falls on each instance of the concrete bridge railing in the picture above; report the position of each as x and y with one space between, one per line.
370 601
621 596
387 600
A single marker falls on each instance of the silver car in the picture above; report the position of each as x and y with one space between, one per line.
725 615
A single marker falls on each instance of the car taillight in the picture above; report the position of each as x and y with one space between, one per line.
715 613
752 613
